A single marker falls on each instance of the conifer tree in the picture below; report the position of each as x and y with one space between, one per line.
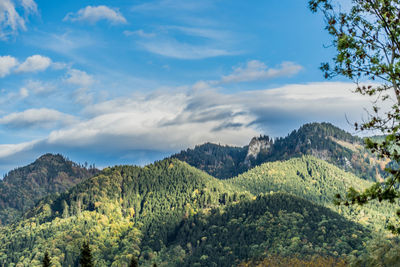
134 262
85 259
46 260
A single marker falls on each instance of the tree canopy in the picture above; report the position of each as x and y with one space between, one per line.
367 41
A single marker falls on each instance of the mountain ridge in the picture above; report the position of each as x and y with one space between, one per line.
322 140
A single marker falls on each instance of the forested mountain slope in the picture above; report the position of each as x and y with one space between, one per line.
22 187
317 181
173 214
121 211
322 140
271 224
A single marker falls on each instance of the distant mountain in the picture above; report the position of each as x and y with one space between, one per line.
322 140
219 161
173 214
22 187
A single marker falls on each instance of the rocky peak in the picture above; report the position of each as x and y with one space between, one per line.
258 145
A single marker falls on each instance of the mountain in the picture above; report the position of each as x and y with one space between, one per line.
22 187
173 214
219 161
322 140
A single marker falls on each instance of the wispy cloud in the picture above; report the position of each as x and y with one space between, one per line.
10 20
93 14
179 50
140 33
208 42
36 118
256 70
39 87
183 5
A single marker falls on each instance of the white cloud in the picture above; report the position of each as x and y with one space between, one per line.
93 14
34 63
79 78
10 20
37 118
7 63
167 121
256 70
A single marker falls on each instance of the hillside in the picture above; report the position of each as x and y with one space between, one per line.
169 212
23 187
322 140
271 224
317 181
122 210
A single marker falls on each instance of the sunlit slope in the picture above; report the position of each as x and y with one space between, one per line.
315 180
121 211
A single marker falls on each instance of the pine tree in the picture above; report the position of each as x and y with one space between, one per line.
85 259
46 260
134 262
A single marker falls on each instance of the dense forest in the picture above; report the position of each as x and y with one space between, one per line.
170 213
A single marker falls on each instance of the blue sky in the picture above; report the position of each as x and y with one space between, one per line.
112 82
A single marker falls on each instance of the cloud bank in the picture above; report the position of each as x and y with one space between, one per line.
167 122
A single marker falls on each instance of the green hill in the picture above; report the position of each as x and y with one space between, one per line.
317 181
121 210
169 212
272 224
22 187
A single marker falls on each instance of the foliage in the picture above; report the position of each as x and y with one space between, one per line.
315 180
22 187
367 40
380 251
279 261
272 224
155 212
122 211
